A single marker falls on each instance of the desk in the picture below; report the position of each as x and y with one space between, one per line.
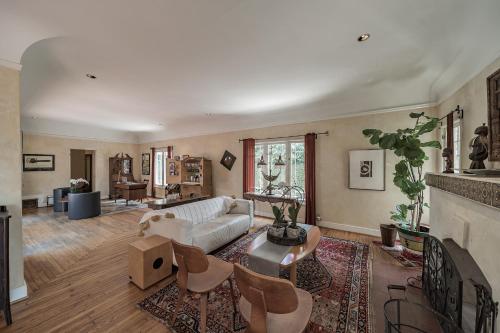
132 191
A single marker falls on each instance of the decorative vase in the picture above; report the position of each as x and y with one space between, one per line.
413 240
277 231
293 233
388 233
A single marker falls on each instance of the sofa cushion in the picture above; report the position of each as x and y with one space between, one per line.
212 235
198 212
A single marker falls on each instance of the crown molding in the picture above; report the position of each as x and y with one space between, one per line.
10 64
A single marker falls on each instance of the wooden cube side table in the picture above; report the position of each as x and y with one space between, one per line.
149 260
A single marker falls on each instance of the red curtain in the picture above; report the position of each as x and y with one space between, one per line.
152 182
170 152
310 181
248 165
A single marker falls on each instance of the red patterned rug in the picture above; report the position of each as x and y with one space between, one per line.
339 281
402 255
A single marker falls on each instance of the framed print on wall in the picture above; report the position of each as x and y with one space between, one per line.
367 169
38 162
146 164
228 160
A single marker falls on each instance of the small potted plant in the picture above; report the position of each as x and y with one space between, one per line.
293 231
408 146
279 224
78 185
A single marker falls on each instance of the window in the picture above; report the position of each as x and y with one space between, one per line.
457 135
160 167
292 153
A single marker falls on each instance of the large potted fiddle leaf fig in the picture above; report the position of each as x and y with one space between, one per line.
408 145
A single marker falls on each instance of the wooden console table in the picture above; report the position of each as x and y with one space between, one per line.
165 203
273 198
132 191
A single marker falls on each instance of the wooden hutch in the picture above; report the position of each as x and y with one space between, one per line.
121 179
193 174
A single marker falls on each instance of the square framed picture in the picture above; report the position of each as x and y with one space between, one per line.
38 162
367 169
228 160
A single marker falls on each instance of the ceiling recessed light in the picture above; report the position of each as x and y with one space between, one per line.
363 37
91 76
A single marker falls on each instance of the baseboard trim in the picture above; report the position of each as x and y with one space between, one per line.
350 228
19 293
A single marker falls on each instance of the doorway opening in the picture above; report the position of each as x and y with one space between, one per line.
82 166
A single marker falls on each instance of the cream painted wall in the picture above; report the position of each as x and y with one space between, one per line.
472 97
10 166
336 203
43 182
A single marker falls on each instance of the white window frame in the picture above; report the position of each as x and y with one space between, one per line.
287 158
164 157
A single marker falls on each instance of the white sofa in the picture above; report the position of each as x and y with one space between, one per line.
208 224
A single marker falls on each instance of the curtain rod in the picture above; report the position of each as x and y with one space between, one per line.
287 137
457 110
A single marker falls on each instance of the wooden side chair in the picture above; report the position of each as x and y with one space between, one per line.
199 273
270 304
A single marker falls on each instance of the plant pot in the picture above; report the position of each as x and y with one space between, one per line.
388 233
276 231
413 240
292 233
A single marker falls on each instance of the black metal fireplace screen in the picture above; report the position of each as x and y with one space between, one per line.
441 281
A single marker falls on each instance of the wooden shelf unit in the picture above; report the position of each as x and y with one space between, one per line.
194 174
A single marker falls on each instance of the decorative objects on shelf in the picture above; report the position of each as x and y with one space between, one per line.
447 155
279 164
409 176
78 185
479 146
367 169
38 162
146 164
282 232
228 160
493 84
4 265
193 174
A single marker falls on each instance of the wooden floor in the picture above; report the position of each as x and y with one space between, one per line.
77 275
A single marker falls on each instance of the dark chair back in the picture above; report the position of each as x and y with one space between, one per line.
58 195
84 205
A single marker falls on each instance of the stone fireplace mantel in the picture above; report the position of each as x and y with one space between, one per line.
485 190
466 208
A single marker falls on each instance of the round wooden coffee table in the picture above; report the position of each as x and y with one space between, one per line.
296 253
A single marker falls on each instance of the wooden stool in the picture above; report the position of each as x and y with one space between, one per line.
149 260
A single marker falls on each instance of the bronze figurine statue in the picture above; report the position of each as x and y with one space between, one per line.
447 154
479 146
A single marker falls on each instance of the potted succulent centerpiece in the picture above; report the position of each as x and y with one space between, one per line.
281 231
408 146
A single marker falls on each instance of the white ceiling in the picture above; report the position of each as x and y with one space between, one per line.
187 67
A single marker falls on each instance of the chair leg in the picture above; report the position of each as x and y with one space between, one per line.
233 297
203 311
178 306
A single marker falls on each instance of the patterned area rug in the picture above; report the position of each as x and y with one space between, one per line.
403 256
339 281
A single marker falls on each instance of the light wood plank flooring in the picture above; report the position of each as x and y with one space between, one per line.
77 275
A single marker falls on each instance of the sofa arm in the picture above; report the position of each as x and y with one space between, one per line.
244 207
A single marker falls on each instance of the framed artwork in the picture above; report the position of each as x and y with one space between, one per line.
146 165
38 162
228 160
367 169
